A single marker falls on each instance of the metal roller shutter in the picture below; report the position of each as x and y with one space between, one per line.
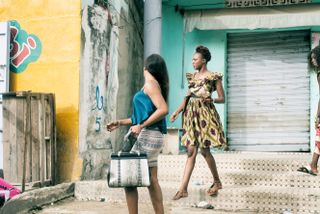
268 91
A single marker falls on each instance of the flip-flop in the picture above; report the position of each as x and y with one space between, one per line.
307 169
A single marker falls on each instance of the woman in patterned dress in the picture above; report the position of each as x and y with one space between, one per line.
202 127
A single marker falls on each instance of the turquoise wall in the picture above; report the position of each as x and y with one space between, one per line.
172 46
174 41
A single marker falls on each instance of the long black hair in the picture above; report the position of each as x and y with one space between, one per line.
156 66
316 55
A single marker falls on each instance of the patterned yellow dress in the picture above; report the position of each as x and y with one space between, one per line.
201 122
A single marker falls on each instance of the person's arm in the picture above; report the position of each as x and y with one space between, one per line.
116 124
220 92
317 120
154 92
180 108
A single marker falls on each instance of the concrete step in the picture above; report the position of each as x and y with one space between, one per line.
278 179
261 200
246 169
259 182
243 161
292 179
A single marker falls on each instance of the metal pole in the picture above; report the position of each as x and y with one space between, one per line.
152 27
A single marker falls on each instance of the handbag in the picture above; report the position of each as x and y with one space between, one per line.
128 141
128 169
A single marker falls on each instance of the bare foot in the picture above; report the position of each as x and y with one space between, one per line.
180 194
313 169
214 188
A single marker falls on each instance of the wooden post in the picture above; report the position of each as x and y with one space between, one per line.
27 137
53 134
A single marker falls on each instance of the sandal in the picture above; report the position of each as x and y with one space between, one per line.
179 195
308 170
214 188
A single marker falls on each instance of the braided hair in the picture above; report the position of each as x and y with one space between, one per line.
204 51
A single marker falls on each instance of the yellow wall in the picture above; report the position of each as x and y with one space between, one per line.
57 24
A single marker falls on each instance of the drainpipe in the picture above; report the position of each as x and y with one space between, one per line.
152 27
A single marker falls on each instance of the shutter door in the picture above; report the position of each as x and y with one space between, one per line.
268 91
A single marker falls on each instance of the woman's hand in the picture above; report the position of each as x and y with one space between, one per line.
208 100
113 125
136 129
173 117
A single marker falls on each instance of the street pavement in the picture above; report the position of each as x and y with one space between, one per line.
73 206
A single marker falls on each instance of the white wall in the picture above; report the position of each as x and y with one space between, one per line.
86 2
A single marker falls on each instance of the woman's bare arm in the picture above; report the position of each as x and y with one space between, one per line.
220 92
180 108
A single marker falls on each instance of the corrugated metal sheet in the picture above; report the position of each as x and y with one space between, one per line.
268 91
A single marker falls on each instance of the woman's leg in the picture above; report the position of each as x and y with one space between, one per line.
191 160
214 171
155 192
132 199
314 161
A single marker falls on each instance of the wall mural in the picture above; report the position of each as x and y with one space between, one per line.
24 48
263 3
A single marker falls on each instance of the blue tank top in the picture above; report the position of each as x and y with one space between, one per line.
142 109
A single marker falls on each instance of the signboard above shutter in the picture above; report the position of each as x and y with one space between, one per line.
263 3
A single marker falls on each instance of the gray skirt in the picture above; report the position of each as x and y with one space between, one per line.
149 141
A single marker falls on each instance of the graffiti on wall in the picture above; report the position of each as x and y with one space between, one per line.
24 48
99 108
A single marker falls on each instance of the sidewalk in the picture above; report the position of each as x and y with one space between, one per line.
73 206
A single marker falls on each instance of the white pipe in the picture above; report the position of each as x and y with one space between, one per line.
152 27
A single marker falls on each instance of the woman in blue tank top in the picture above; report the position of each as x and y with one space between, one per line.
148 124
